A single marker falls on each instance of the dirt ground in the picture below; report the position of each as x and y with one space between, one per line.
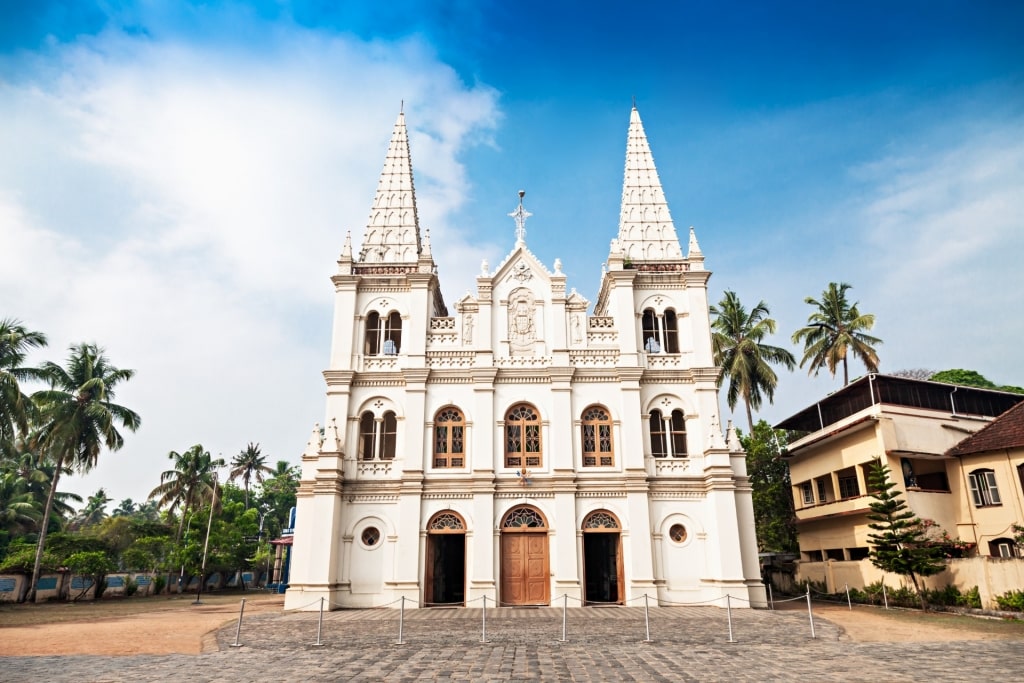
154 625
162 625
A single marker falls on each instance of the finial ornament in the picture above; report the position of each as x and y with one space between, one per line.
520 215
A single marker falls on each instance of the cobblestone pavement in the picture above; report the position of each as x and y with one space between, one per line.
602 644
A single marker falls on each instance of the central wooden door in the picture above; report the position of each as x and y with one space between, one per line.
524 569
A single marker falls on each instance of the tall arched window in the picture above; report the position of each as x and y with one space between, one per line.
383 334
522 437
367 436
449 438
671 331
372 344
668 434
651 333
377 437
390 436
596 428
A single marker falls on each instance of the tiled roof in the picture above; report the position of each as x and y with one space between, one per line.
1006 431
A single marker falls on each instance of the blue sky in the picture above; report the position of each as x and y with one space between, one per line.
176 179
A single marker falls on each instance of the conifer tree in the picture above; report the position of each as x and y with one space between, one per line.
899 546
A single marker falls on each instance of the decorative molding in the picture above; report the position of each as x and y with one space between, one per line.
666 466
373 498
524 493
600 494
447 496
524 362
373 468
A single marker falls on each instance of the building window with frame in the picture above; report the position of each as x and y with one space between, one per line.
984 491
449 438
668 434
848 487
596 431
377 436
822 492
522 437
383 334
807 493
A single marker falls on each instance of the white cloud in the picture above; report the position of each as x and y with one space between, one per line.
183 206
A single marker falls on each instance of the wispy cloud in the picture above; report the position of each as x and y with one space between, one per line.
183 206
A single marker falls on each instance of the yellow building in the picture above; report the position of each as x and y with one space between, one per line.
991 467
971 491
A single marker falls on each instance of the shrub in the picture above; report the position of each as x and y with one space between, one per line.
158 584
1011 600
130 586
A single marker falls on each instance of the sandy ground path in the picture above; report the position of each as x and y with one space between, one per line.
170 627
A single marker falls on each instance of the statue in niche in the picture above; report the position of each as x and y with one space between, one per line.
467 328
577 329
522 329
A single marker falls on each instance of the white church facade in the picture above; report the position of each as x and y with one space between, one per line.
517 446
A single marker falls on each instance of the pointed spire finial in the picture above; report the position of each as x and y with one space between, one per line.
634 101
520 215
401 106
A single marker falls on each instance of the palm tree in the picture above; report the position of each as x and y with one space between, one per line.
736 343
18 511
125 508
191 480
835 329
249 464
94 511
15 406
79 418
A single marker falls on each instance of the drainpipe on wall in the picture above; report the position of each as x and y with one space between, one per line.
952 403
871 387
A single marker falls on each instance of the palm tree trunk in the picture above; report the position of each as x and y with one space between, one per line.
42 530
846 373
750 415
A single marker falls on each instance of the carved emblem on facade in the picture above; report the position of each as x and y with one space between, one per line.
522 328
522 272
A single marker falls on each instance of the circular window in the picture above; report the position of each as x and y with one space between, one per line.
370 537
677 533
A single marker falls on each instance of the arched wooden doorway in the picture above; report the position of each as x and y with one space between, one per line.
444 574
525 576
602 559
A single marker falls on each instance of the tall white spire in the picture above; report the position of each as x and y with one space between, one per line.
646 232
393 231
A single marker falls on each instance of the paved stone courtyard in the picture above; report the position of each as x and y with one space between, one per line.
602 644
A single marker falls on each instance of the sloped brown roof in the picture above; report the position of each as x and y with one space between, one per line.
1006 431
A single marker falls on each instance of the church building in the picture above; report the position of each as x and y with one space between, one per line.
517 445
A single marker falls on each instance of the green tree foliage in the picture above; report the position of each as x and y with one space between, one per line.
94 511
15 406
971 378
94 565
774 518
78 418
834 330
250 464
900 545
737 341
192 479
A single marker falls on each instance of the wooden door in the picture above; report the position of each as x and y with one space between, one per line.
524 569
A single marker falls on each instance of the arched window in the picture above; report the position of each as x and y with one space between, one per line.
668 434
383 334
390 436
671 332
377 437
449 438
651 333
393 334
522 437
372 345
367 436
660 332
596 431
983 488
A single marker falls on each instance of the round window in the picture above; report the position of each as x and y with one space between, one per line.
370 537
677 533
